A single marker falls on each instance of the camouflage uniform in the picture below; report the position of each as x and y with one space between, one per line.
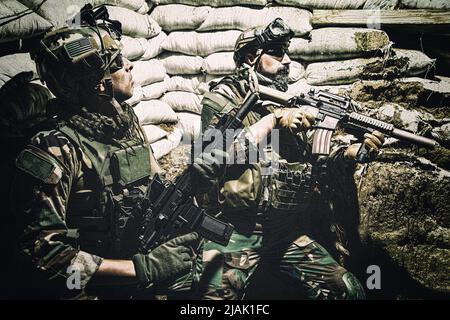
72 196
270 213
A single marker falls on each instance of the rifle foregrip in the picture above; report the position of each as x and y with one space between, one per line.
370 123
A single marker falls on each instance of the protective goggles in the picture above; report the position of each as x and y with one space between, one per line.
274 40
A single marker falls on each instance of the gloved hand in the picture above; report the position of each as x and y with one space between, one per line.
206 169
368 150
166 261
293 119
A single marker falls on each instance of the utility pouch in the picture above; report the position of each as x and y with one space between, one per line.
130 165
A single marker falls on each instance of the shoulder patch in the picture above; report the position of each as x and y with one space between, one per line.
39 167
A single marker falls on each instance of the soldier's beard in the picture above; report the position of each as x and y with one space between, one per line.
279 81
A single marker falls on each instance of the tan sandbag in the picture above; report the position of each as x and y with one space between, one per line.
337 72
302 86
154 112
219 63
418 62
135 5
425 4
189 125
382 4
133 48
137 96
194 84
13 64
133 23
153 46
349 71
179 17
243 18
339 43
176 64
181 101
154 90
215 3
201 43
296 72
148 72
323 4
148 92
164 146
19 22
153 133
57 12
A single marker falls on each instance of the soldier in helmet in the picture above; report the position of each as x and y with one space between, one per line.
269 205
76 186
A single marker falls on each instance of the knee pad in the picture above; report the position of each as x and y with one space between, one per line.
354 289
348 286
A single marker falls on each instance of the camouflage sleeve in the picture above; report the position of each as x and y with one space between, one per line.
46 171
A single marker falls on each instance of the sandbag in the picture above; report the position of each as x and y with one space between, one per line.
201 44
18 22
176 64
296 72
243 18
133 48
135 5
154 133
179 17
136 98
215 3
219 63
302 86
189 125
323 4
337 72
418 62
425 4
154 112
13 64
181 101
153 46
154 90
148 72
57 12
381 4
133 23
338 44
349 71
148 92
194 84
164 146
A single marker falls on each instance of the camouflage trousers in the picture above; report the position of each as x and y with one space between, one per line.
225 272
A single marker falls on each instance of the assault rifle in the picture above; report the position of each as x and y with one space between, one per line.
330 111
168 208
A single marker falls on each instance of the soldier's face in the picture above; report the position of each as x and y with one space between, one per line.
275 65
122 81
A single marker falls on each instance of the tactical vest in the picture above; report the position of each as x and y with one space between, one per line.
104 207
271 184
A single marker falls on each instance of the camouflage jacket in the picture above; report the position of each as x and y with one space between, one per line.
50 172
239 202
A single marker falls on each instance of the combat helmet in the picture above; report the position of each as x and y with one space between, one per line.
275 36
74 60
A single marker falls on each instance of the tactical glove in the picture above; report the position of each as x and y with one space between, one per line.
368 150
206 169
293 119
165 262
